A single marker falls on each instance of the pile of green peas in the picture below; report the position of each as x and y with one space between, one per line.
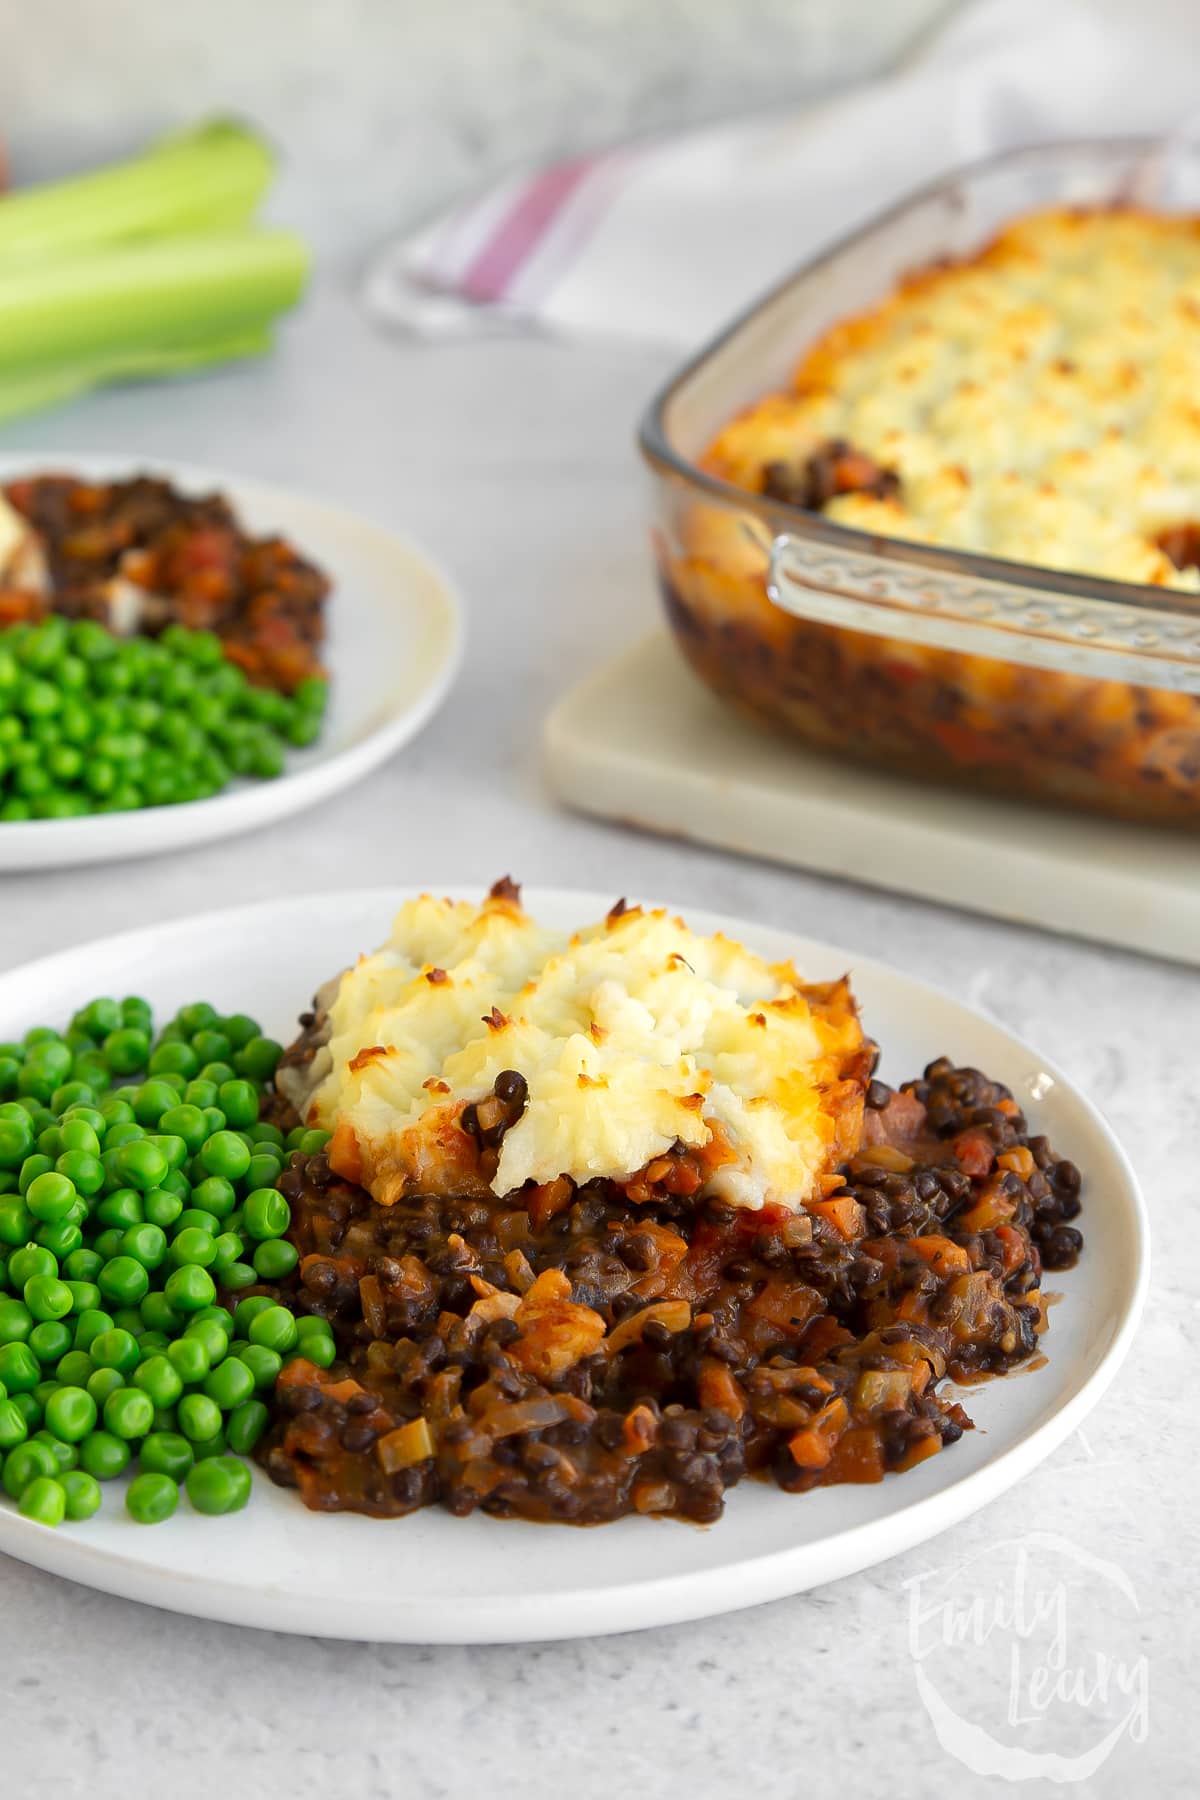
138 1192
93 723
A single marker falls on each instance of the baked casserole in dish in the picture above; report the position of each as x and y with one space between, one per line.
935 502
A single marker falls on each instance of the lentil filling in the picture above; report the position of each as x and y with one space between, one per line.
578 1356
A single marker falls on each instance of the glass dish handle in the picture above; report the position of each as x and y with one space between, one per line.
977 615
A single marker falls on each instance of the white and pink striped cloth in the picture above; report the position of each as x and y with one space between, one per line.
664 240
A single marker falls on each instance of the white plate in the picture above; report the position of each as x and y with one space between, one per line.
395 639
432 1578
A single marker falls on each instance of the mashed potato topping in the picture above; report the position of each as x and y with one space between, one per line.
1037 402
635 1037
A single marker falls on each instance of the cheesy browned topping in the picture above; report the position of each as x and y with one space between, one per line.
633 1038
1038 402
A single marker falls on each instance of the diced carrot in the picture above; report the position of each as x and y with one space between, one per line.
857 1456
844 1213
920 1452
943 1255
975 1153
345 1157
718 1389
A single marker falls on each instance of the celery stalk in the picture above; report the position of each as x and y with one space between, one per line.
145 296
52 385
207 178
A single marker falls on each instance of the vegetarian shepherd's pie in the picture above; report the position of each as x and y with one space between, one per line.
1034 402
609 1220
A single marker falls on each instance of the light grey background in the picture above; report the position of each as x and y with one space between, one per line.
385 108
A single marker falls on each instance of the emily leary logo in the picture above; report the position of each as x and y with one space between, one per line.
1027 1661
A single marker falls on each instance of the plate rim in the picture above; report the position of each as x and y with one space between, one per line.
33 844
574 1612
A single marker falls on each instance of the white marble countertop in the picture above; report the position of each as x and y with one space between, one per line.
513 462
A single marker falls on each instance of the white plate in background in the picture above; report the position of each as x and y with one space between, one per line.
393 647
433 1578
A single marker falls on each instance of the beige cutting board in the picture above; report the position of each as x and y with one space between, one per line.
642 741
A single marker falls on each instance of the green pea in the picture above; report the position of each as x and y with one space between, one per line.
275 1258
197 1218
215 1195
16 1321
88 1326
186 1122
199 1417
73 1368
82 1494
159 1378
115 1349
151 1100
104 1455
246 1425
221 1484
146 1244
31 1168
262 1363
189 1288
77 1133
128 1131
82 1265
151 1342
224 1153
70 1414
128 1413
25 1265
192 1244
47 1297
227 1248
275 1329
50 1142
45 1501
210 1333
320 1350
82 1169
16 1142
267 1213
159 1315
25 1463
142 1164
200 1094
238 1100
60 1239
30 1409
240 1028
109 1243
174 1058
16 1220
189 1358
212 1046
103 1382
166 1453
173 1148
128 1318
124 1280
13 1428
247 1310
65 1455
264 1169
162 1207
230 1383
50 1196
127 1050
20 1370
85 1296
50 1341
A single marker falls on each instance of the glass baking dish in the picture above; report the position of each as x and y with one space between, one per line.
1064 688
